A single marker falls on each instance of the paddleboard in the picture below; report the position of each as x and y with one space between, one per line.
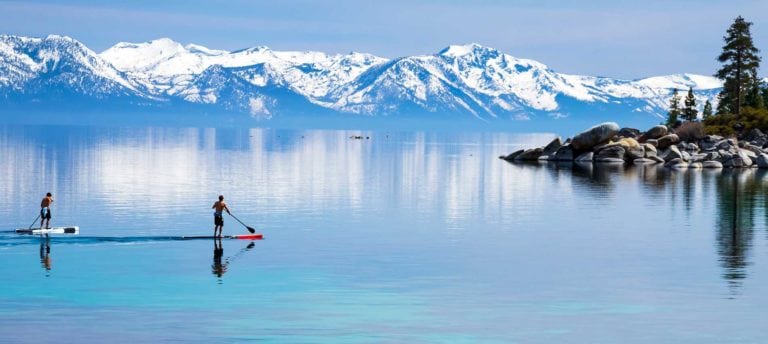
256 236
52 230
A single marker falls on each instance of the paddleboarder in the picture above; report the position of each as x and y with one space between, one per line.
45 210
218 220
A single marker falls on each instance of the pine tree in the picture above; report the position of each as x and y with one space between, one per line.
754 97
740 62
707 112
690 112
674 110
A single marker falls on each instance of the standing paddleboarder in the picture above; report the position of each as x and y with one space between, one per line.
218 219
45 210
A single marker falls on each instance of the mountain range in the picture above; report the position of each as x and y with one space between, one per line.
465 83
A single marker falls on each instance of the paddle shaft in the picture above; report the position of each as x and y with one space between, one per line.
33 222
250 229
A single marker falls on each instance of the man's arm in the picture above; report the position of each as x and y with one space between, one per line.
227 209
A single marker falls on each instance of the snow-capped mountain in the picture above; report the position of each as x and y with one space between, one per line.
461 81
58 68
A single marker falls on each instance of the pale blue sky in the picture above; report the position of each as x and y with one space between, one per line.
628 39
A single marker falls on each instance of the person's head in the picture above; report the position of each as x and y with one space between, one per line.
221 197
48 194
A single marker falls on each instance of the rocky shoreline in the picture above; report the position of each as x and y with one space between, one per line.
607 143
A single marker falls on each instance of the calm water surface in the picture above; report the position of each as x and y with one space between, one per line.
403 237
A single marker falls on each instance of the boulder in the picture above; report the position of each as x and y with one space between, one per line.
710 142
592 136
610 152
629 132
653 142
511 156
564 153
756 137
588 156
711 164
752 148
654 133
700 157
672 153
762 160
667 140
530 154
746 157
649 150
737 161
643 161
676 164
656 159
695 165
552 147
610 161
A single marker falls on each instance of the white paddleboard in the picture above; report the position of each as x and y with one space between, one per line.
52 230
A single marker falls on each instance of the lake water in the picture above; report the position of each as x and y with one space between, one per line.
399 237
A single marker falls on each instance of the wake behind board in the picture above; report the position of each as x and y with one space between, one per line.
52 230
241 237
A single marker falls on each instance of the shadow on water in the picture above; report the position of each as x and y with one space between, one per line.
45 254
221 264
739 199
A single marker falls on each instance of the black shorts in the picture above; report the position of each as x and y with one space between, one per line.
45 215
218 220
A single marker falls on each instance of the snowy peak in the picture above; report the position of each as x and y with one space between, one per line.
682 82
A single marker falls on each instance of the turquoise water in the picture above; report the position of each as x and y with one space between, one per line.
402 237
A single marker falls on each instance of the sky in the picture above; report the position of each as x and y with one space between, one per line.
622 39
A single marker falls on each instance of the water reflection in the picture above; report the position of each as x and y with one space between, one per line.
45 253
738 194
220 264
218 268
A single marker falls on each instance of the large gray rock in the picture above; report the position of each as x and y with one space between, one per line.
711 164
614 151
530 154
629 132
710 142
552 147
586 157
654 133
695 165
747 156
756 137
656 159
564 153
667 140
672 153
592 136
649 150
512 156
762 160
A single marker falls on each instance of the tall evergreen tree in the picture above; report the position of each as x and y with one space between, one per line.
690 112
707 112
740 62
674 110
754 97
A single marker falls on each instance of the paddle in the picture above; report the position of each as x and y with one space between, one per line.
250 229
33 222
